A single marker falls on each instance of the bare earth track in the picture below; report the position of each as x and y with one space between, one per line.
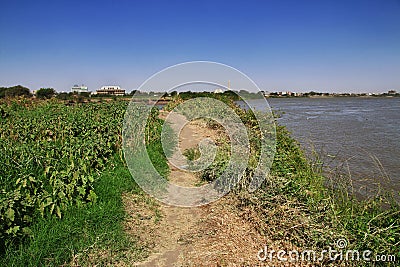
210 235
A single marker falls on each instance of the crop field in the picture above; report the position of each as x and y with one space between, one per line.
51 157
51 154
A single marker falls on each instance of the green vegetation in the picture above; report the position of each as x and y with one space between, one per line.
298 205
62 175
192 154
83 229
53 202
50 155
45 93
14 91
226 96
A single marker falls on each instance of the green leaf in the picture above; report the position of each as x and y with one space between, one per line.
92 196
58 212
13 230
52 208
10 214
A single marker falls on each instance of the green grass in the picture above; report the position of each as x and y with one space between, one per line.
92 232
50 154
298 205
157 153
91 226
192 154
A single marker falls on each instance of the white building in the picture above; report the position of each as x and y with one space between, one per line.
79 89
111 90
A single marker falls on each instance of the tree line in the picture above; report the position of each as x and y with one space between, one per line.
19 90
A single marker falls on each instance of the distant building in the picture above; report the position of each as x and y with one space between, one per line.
111 90
392 92
218 91
79 89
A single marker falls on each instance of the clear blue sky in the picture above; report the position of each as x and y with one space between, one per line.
282 45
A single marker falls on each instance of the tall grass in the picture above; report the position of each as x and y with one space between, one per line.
298 206
301 205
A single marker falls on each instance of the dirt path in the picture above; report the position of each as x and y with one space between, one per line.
212 235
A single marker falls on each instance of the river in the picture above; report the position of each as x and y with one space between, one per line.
354 135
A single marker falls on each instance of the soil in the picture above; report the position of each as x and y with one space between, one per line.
216 234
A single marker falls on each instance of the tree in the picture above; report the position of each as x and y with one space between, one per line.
85 94
14 91
3 92
45 93
64 96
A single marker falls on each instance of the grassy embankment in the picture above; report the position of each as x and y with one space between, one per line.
71 157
